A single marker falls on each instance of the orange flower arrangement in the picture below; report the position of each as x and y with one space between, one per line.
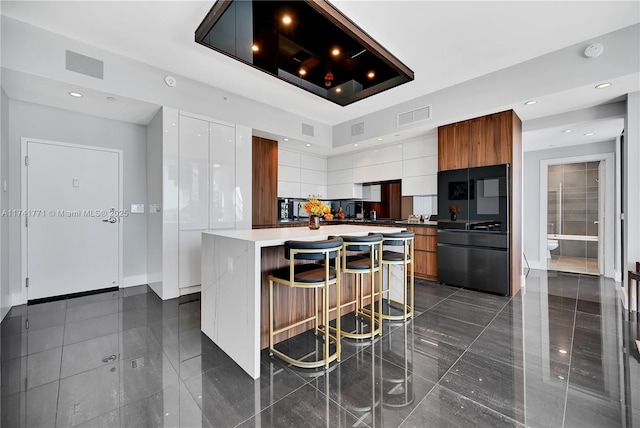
315 206
453 209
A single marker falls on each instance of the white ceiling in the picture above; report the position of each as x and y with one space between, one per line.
444 43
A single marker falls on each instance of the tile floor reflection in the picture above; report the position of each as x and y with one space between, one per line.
573 264
558 354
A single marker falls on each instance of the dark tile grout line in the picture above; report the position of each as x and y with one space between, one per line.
573 334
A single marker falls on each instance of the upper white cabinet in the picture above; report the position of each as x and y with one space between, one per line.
340 183
384 163
222 169
420 167
301 175
207 175
193 180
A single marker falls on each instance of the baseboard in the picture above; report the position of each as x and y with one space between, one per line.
535 264
131 281
189 290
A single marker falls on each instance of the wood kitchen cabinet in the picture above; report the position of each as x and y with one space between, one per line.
425 252
265 182
453 146
491 139
487 140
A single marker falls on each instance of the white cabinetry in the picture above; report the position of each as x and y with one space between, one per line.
206 199
380 164
198 179
420 167
340 184
288 174
301 175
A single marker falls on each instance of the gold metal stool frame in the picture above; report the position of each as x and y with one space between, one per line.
359 265
406 259
303 276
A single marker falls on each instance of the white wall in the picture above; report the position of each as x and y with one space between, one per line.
154 196
632 185
531 197
37 121
5 297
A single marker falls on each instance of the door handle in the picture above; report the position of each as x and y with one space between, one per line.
110 220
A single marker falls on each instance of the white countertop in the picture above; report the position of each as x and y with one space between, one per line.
277 236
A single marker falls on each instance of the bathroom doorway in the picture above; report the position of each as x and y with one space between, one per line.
573 217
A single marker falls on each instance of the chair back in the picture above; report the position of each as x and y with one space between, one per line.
398 239
312 250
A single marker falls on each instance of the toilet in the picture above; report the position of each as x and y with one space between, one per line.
552 244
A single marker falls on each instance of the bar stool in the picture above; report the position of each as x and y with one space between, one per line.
404 258
362 255
310 276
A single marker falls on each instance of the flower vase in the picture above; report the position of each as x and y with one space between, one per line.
454 217
314 222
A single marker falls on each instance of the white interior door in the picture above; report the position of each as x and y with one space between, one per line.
74 217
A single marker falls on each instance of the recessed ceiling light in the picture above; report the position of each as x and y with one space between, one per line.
335 52
302 72
75 94
562 351
371 75
355 144
255 48
566 131
285 139
589 134
530 103
308 145
286 20
338 90
380 139
604 85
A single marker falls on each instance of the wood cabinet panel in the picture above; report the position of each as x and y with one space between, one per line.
491 140
265 181
453 146
425 252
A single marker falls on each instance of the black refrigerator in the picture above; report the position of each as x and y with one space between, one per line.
473 228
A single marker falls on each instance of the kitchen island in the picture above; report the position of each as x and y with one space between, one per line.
235 269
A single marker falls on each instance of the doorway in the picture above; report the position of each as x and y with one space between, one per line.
594 233
573 217
72 231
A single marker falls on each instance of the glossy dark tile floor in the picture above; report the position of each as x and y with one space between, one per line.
559 354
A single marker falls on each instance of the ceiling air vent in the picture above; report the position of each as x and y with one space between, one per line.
422 113
357 129
307 129
84 65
